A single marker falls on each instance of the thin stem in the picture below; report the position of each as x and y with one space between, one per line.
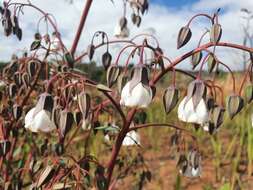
200 15
81 25
188 54
161 125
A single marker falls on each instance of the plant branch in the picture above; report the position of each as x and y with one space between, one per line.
81 25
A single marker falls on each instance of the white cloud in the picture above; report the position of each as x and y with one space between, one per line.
164 22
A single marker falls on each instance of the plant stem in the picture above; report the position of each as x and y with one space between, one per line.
118 143
80 26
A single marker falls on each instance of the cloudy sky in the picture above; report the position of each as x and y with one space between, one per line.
164 19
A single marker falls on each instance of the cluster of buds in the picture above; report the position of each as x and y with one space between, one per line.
139 7
10 22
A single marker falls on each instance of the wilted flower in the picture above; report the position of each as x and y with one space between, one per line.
121 30
38 119
187 113
137 91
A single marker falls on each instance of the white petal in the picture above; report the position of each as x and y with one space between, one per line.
125 94
140 96
196 172
187 113
131 138
42 122
181 111
107 138
29 119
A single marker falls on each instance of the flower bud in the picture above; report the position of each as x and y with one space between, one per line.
235 104
195 59
170 98
215 33
84 102
106 60
249 93
90 51
5 147
66 122
17 111
211 62
112 75
184 36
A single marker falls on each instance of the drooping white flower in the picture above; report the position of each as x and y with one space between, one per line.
121 32
39 122
187 113
137 91
139 96
132 138
39 119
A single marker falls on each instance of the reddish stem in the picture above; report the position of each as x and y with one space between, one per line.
118 143
81 25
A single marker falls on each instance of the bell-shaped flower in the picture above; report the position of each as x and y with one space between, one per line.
121 30
39 122
137 91
187 112
39 119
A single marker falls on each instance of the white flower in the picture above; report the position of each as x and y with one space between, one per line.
132 138
121 32
139 96
39 122
187 113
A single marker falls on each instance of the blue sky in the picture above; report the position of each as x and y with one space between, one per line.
174 3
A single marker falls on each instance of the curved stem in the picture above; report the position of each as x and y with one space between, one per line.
102 44
161 125
200 15
188 54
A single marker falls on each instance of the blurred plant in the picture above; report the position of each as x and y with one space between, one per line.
69 101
